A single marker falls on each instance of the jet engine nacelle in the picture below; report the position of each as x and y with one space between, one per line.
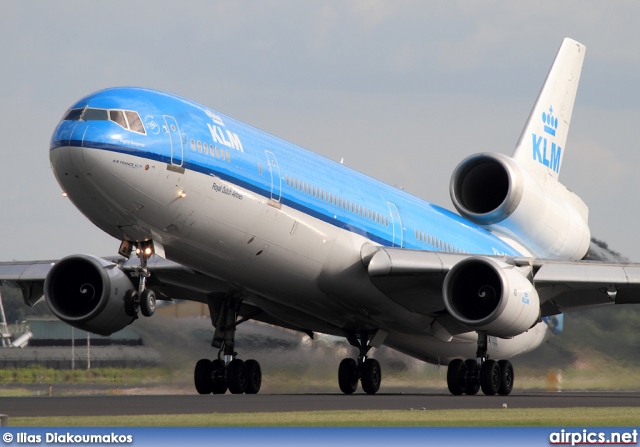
540 214
88 293
490 296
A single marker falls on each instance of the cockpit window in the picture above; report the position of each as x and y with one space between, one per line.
94 115
73 115
126 119
117 116
134 121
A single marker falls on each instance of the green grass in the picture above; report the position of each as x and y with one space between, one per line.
574 417
15 392
102 376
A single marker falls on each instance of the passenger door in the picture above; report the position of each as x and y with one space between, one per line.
276 181
177 148
396 223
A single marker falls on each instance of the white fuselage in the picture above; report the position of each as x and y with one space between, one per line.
301 269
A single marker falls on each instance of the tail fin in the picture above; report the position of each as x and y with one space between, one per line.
542 142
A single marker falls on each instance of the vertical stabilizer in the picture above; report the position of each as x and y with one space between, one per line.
541 146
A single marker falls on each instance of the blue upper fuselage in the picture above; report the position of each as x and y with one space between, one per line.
166 128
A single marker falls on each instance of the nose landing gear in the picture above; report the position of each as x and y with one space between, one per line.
143 300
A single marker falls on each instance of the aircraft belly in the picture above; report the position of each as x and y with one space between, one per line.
436 351
270 252
345 280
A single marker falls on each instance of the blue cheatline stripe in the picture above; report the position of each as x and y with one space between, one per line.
255 188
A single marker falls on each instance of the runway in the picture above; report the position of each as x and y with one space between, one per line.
194 404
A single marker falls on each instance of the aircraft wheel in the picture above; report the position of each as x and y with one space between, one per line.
348 376
237 376
202 376
371 376
254 376
147 302
490 377
131 303
218 380
456 377
506 377
473 381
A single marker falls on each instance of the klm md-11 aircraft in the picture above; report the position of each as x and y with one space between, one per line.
210 209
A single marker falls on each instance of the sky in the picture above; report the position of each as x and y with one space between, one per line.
401 90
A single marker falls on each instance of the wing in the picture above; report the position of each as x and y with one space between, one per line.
415 279
170 281
28 276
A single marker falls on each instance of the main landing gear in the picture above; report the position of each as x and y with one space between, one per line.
227 372
142 300
469 376
367 370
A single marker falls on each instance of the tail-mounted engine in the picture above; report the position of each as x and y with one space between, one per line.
541 215
491 296
88 293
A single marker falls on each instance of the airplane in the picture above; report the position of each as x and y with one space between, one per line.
209 209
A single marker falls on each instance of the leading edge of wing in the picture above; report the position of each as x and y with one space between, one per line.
382 261
27 276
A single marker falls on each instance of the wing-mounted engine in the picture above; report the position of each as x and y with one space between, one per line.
540 216
488 295
88 293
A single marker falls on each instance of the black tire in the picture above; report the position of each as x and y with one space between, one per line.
371 376
457 377
254 376
237 376
473 377
131 306
506 377
490 377
218 379
202 377
147 302
348 376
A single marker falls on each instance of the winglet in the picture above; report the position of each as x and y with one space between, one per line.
541 146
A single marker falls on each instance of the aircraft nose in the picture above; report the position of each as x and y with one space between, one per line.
62 134
67 155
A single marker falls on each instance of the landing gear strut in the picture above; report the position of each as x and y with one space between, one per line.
367 370
469 376
227 372
143 300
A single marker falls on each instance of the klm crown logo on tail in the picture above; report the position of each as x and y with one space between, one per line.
550 122
542 143
543 152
